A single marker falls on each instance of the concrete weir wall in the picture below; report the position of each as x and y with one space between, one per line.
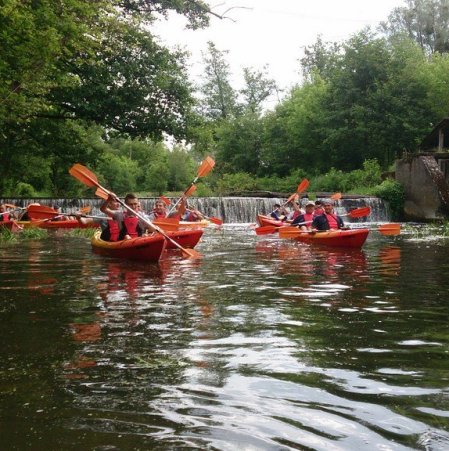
426 188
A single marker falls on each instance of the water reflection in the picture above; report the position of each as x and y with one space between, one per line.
263 344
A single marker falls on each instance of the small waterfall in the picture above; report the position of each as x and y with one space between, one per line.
229 209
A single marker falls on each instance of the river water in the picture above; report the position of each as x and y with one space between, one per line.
264 344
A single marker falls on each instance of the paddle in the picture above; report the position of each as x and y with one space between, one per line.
213 219
206 166
47 213
88 178
385 229
336 196
300 189
266 230
358 212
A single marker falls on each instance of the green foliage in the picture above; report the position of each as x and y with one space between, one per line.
240 181
119 173
203 190
25 190
392 192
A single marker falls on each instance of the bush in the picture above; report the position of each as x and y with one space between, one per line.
240 181
392 192
25 190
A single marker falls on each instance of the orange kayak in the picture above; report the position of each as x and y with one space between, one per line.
264 220
144 248
64 224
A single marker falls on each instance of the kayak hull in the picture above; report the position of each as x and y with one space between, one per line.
354 238
12 226
145 248
65 224
264 220
186 238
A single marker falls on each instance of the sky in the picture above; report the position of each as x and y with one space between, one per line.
273 32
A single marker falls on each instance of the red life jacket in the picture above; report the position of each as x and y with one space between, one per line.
131 226
114 230
308 217
332 220
159 215
318 211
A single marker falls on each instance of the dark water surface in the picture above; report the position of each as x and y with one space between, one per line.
262 344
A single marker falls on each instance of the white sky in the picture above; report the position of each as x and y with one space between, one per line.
273 32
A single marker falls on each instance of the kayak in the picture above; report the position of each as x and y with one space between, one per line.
186 238
64 224
194 224
336 238
165 224
144 248
12 225
264 220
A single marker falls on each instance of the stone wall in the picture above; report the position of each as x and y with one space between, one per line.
426 189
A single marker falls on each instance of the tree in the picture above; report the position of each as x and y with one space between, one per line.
258 87
424 21
219 97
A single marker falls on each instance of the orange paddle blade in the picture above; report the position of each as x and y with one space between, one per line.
85 210
206 166
41 212
100 192
217 221
190 253
83 174
266 230
359 212
166 200
390 229
303 186
169 224
190 191
336 196
289 232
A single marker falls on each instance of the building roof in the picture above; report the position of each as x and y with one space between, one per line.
431 140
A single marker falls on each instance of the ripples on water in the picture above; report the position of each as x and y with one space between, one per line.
263 344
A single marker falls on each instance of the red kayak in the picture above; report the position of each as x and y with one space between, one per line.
186 238
145 248
64 224
12 226
264 220
335 238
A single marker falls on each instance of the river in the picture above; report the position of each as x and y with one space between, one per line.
263 344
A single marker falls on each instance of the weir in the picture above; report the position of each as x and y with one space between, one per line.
229 209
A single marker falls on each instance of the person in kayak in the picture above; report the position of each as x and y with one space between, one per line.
306 217
295 212
131 225
5 215
318 208
279 213
159 211
328 220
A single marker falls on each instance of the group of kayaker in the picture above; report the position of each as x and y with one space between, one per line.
124 224
318 215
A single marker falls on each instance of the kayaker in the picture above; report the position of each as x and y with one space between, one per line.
307 217
5 215
318 208
328 220
24 216
296 211
279 213
131 225
159 211
192 215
